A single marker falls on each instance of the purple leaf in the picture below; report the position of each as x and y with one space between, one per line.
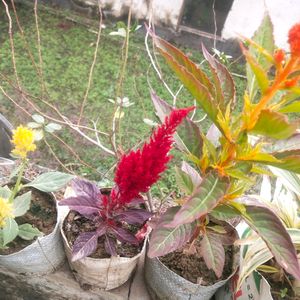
86 188
137 201
211 190
82 204
109 245
134 216
164 240
124 236
84 245
271 230
213 253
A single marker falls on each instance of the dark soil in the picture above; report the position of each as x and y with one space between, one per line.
192 266
75 224
278 285
42 215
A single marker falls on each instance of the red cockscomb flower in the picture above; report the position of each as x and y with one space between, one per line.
139 169
294 40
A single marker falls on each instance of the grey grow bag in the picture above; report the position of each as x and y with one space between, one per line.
164 284
43 256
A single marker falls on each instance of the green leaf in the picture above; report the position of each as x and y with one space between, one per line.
289 160
50 182
21 204
259 73
264 38
38 135
34 125
51 127
9 231
189 65
5 192
213 253
194 175
184 181
273 124
28 232
224 212
188 136
198 89
271 230
211 190
38 118
224 83
164 240
291 108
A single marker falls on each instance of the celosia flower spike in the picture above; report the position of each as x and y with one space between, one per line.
23 140
139 169
294 40
6 211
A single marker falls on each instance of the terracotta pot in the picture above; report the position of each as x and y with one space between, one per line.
43 256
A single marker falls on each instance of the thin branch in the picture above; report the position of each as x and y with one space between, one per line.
11 40
56 157
215 24
153 62
74 152
116 122
25 95
39 47
150 201
92 66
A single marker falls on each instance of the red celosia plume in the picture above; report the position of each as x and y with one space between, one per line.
139 169
294 40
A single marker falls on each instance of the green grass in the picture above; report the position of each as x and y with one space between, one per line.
67 51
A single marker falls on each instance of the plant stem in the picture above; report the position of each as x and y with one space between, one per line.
149 200
17 185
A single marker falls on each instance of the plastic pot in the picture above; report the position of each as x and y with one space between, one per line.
43 256
103 273
163 284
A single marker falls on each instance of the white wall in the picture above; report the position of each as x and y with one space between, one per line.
163 11
246 15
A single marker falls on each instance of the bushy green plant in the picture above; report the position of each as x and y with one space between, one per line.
15 203
235 150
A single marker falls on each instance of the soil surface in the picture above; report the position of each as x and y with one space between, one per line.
278 285
42 215
192 266
75 224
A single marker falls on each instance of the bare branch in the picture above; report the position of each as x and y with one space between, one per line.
93 65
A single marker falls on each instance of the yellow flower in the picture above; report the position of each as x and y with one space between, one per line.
23 140
6 211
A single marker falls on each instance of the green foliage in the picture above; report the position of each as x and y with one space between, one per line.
50 181
230 158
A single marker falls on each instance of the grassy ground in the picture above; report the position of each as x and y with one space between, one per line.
67 51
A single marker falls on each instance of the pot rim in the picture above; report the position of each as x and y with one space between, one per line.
120 259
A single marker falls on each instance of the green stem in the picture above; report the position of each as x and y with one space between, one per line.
17 185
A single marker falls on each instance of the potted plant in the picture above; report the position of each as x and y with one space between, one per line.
30 240
227 159
104 233
255 255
